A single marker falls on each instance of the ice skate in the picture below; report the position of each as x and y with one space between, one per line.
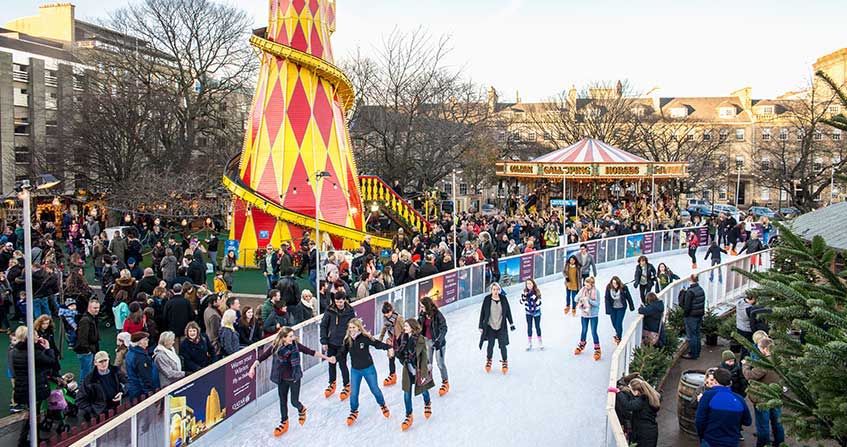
567 310
504 366
281 429
302 413
488 365
352 418
390 380
579 348
330 390
407 422
596 352
385 411
428 410
345 393
445 388
540 344
694 266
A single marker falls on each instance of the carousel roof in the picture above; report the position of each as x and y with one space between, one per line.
589 150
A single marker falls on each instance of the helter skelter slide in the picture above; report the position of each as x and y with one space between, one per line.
297 129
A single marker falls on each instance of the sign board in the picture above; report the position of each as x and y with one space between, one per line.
558 202
670 170
623 170
567 170
232 244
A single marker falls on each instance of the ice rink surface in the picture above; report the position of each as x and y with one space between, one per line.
548 398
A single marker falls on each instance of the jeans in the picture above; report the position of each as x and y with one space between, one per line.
643 290
341 362
271 280
692 333
529 320
768 421
312 279
585 323
492 337
407 396
692 253
570 298
617 320
749 337
439 357
86 365
712 272
282 390
98 273
40 306
369 374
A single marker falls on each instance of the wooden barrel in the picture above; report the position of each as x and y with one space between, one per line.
688 384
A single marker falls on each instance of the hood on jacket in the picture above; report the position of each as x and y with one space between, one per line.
125 282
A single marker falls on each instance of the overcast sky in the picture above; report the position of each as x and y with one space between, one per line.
540 47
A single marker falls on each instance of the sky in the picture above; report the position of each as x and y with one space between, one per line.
542 47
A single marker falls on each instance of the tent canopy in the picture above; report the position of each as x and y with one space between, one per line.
589 150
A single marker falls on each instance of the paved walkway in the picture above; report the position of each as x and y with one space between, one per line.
549 397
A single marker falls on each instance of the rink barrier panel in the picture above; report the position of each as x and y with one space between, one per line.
720 299
147 424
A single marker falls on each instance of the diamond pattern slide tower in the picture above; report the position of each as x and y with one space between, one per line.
297 128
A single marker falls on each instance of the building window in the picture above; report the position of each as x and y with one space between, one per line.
739 134
22 126
739 161
766 110
707 135
834 109
723 134
766 134
679 112
722 163
448 188
516 136
765 194
766 164
836 135
463 189
638 111
722 192
818 135
548 136
817 165
530 136
22 155
783 195
783 134
727 112
689 136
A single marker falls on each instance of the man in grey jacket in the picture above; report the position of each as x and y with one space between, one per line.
586 261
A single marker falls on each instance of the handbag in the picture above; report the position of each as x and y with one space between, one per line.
423 379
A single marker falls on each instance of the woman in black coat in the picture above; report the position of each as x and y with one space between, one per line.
195 350
493 328
641 402
653 310
45 362
645 277
618 299
249 328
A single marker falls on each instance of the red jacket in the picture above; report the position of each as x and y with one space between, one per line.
131 327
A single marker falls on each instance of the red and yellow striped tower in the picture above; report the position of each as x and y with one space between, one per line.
297 128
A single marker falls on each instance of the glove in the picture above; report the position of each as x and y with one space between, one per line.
612 389
512 327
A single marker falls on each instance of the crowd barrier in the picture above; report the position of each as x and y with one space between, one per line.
191 407
722 292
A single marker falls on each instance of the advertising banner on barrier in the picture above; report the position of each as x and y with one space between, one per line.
367 314
592 249
463 284
197 407
240 388
634 245
510 271
703 236
527 262
451 289
647 244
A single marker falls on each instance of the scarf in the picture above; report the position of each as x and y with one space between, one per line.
171 355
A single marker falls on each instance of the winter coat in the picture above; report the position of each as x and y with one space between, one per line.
720 414
360 351
45 361
651 277
286 361
573 278
146 285
247 335
714 253
118 248
395 329
694 301
127 285
588 267
196 356
169 370
531 303
302 312
485 313
169 266
212 321
228 340
437 329
276 320
289 293
739 382
753 245
626 298
334 324
413 356
142 376
645 431
653 313
87 335
589 302
763 375
177 314
228 268
91 397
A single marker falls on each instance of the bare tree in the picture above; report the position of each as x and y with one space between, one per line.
804 156
416 117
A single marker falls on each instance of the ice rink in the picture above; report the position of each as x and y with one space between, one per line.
549 397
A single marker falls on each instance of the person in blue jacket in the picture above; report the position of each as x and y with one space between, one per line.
142 376
721 413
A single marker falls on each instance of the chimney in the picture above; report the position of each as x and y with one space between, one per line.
492 99
517 97
619 89
745 96
572 95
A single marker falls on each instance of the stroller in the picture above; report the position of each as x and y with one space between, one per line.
60 404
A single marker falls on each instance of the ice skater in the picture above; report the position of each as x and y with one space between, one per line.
392 326
693 243
531 300
493 315
434 329
417 373
332 331
618 299
573 281
286 373
588 305
357 343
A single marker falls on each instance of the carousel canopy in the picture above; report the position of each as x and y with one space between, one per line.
590 159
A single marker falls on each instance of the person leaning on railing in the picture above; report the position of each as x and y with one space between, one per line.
653 310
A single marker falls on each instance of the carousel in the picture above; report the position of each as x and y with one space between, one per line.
587 171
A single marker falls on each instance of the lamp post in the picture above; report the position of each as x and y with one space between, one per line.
455 216
738 183
24 189
318 177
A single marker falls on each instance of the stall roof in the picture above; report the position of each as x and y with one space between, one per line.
589 150
827 223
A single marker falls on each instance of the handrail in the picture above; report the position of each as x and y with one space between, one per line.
162 394
369 192
632 338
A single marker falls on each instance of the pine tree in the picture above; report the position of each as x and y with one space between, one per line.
810 329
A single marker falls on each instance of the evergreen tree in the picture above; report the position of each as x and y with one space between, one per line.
809 325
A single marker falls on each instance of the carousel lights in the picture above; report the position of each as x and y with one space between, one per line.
374 207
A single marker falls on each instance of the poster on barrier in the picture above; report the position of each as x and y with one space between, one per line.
510 272
463 284
550 262
592 249
647 244
197 407
240 388
538 265
478 279
366 313
527 261
451 289
703 236
634 245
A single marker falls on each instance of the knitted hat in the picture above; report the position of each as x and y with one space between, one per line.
727 355
138 336
125 338
101 355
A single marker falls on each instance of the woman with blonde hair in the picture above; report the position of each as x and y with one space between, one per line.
286 372
228 336
167 360
358 342
588 305
641 402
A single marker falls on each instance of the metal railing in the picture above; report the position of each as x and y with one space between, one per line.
723 287
149 422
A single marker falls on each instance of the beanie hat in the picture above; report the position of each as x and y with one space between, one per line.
130 261
138 336
727 355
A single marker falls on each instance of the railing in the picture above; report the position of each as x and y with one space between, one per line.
153 421
720 297
374 189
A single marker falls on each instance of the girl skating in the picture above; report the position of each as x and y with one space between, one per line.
588 306
416 370
434 329
493 315
286 373
573 281
392 326
618 299
358 342
531 300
